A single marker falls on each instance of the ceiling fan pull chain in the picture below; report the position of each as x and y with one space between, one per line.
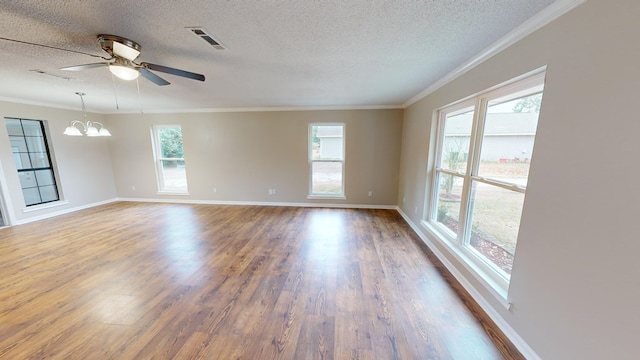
115 92
139 97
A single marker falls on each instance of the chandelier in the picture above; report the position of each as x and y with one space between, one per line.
90 128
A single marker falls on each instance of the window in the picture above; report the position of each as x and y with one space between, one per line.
326 160
169 154
33 160
480 178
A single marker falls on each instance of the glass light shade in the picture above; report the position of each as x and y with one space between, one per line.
125 51
72 131
92 131
124 72
104 132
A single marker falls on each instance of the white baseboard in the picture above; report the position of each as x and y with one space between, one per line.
513 336
205 202
261 203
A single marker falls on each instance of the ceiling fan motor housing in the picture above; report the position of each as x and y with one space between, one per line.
119 46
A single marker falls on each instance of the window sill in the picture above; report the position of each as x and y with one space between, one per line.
330 197
45 206
172 193
491 281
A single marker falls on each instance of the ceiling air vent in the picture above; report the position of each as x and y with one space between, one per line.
202 34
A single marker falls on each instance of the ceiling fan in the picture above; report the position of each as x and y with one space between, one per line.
123 52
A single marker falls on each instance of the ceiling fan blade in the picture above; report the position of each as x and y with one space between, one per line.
173 71
53 47
84 66
152 77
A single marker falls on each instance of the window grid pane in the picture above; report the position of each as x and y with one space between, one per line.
48 193
22 161
31 156
448 202
508 138
171 142
14 127
495 215
39 160
456 141
31 196
327 142
326 177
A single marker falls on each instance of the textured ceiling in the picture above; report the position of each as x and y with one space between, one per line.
330 53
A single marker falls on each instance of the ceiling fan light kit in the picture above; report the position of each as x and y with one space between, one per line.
124 72
123 51
90 127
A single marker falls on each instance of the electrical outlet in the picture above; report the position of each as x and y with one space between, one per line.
215 190
370 193
133 187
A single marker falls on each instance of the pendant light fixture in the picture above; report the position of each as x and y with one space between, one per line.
90 128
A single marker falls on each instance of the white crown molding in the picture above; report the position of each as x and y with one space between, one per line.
206 110
262 109
541 19
39 103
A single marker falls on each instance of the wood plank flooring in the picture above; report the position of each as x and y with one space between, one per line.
178 281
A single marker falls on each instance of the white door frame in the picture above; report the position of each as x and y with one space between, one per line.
5 200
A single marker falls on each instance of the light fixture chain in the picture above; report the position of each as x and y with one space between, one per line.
115 92
139 96
84 109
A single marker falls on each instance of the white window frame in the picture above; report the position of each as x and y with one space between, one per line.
313 195
490 274
158 158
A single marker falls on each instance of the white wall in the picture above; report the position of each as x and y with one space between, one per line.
243 154
83 164
575 285
240 154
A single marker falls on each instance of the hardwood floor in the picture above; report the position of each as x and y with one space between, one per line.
177 281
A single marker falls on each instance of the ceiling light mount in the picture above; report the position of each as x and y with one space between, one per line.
89 127
118 46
